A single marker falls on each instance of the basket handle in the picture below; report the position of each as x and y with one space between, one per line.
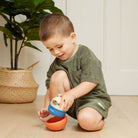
3 68
31 67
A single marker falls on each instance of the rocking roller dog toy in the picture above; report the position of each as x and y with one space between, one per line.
59 121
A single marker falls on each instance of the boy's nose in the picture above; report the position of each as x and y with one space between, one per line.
56 52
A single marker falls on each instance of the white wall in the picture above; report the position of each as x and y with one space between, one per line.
97 24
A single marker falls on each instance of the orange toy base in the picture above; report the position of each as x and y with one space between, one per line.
56 123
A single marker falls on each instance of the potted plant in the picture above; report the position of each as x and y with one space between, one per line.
18 34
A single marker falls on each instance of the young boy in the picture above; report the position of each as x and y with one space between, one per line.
75 74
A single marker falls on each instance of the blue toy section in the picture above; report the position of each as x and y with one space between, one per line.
55 111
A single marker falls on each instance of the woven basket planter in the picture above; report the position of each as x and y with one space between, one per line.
17 86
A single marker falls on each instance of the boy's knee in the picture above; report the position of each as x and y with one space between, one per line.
58 75
60 81
89 122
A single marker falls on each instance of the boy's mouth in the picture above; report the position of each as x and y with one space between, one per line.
60 56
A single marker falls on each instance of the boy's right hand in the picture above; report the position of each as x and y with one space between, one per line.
43 113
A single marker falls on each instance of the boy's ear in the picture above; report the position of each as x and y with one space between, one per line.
73 37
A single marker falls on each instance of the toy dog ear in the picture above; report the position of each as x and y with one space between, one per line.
54 102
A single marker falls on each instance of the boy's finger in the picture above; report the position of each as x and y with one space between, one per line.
41 111
65 105
61 102
44 110
68 107
42 119
38 113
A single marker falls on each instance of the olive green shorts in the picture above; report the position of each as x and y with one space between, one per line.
100 104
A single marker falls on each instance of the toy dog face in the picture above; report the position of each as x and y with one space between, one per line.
55 102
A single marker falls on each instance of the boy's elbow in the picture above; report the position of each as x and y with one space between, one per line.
95 84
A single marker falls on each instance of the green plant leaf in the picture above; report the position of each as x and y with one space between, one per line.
15 30
13 27
49 5
28 44
27 31
37 17
37 2
5 39
33 34
23 4
33 23
6 32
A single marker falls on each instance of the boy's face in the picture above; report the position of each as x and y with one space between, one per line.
61 47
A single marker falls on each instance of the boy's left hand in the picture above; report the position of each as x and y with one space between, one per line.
67 100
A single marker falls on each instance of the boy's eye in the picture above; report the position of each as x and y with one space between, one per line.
60 46
50 49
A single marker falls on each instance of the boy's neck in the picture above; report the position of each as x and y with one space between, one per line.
75 49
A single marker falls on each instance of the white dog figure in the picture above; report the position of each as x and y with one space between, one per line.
56 102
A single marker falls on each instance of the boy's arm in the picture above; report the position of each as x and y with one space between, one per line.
44 111
47 99
76 92
82 89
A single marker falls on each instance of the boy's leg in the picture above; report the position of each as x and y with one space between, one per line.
89 119
59 83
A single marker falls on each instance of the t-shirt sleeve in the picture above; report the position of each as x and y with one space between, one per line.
90 68
49 74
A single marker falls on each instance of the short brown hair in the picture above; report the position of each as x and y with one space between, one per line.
55 23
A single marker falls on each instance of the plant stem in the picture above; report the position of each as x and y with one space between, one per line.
21 47
11 49
16 56
17 53
11 53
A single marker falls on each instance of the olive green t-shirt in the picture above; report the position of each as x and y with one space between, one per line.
82 66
